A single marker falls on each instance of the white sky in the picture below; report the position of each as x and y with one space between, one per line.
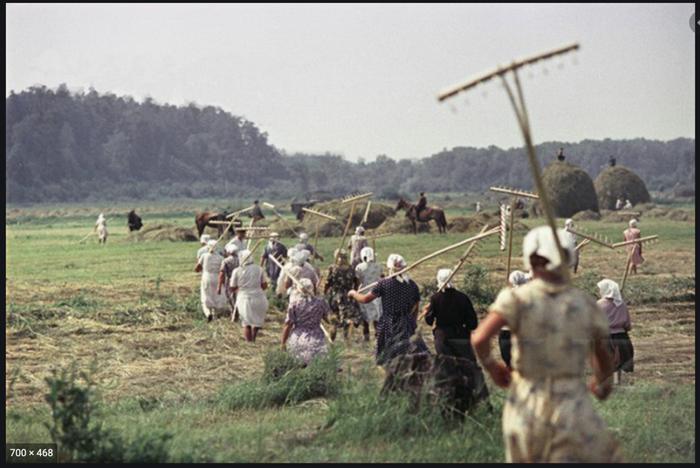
362 79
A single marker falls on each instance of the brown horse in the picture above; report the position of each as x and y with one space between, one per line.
432 213
201 220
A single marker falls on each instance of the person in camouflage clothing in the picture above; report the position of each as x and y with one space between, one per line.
344 311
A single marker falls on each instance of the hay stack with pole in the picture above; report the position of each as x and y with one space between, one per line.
570 189
619 182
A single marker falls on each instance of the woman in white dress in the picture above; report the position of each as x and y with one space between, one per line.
366 273
248 282
209 263
101 228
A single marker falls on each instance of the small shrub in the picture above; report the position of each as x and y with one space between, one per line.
478 286
81 438
285 381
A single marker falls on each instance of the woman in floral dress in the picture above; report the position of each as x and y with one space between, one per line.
302 336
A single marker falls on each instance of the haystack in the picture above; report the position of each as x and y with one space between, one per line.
161 232
378 214
587 215
402 225
619 182
570 189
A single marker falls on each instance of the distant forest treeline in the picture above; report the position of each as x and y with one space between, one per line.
63 146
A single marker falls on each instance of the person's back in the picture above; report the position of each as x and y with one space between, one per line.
211 262
248 278
554 340
451 308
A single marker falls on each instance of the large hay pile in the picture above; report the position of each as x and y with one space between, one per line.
619 182
161 232
570 189
402 225
377 216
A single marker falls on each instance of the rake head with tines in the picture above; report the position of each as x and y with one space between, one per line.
593 237
643 240
355 197
514 191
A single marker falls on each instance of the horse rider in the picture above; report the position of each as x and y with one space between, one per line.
422 204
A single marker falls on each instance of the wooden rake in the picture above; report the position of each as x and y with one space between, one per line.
518 105
280 217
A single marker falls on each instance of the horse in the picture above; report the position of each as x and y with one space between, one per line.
202 220
431 213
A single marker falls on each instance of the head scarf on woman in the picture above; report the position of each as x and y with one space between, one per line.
246 257
359 230
297 258
303 237
633 223
231 249
569 223
274 237
305 288
367 254
204 239
395 263
540 241
610 290
443 275
517 278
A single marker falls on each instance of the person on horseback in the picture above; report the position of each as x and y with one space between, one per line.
422 204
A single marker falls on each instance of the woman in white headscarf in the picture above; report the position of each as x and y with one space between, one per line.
204 248
620 323
358 241
516 278
230 263
300 269
569 224
634 250
282 280
548 415
400 299
101 228
213 300
302 336
248 282
366 273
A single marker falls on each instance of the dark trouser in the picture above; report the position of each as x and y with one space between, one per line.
623 351
504 345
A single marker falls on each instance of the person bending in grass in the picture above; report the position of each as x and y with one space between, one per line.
548 415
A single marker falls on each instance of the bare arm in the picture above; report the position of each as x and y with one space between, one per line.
361 298
603 368
220 282
481 341
285 334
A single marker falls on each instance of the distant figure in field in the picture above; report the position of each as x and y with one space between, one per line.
619 204
560 155
339 281
612 161
248 283
230 263
101 228
256 213
478 207
620 323
569 224
628 204
204 248
302 335
421 205
634 250
239 239
134 221
305 245
276 249
358 241
209 264
367 272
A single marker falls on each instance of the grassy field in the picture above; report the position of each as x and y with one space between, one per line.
131 309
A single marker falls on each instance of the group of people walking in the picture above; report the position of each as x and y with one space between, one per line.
547 329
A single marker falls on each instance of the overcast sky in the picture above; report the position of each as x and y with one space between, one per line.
362 80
